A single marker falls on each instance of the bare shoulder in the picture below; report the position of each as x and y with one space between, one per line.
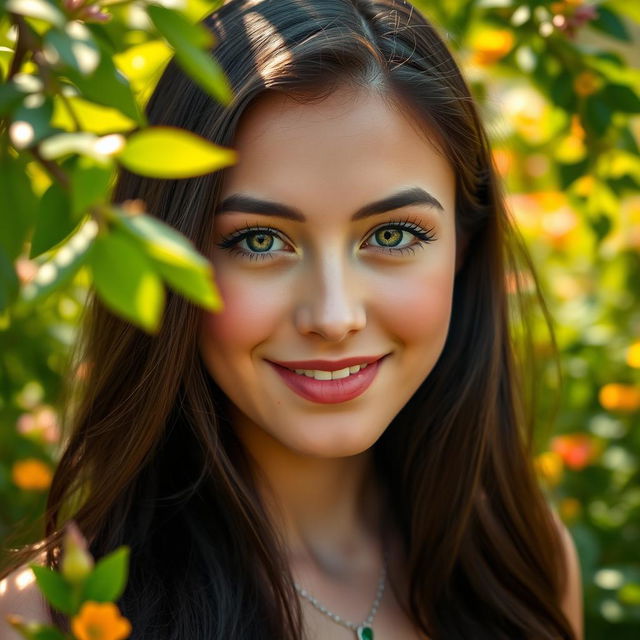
572 601
19 595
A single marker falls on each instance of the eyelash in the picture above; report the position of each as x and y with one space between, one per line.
231 241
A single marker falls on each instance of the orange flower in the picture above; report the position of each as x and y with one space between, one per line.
577 450
31 474
503 159
490 45
100 621
586 83
620 397
577 130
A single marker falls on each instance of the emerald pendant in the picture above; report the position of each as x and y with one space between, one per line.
365 633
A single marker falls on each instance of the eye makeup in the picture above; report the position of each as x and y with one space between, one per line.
233 241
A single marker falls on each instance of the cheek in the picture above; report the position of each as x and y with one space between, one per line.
417 308
251 311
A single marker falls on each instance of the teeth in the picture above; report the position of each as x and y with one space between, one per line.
318 374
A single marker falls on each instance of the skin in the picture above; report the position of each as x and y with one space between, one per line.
330 289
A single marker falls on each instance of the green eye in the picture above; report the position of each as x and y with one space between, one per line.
388 237
259 241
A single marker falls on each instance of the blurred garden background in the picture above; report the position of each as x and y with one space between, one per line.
558 83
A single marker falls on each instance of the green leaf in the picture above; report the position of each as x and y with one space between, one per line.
610 23
9 283
57 591
56 267
561 91
37 630
40 9
621 98
53 220
143 61
630 594
188 41
174 26
74 46
10 97
126 280
19 205
169 152
93 117
601 225
597 114
90 185
176 259
48 633
568 173
107 581
626 8
108 87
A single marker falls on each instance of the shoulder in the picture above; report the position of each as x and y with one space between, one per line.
572 601
19 595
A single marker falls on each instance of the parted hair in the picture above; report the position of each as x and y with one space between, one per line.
150 459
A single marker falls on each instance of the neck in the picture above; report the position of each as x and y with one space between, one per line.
324 509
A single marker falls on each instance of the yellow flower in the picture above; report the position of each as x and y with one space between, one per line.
586 83
100 621
583 186
549 465
31 474
570 149
620 397
490 45
633 355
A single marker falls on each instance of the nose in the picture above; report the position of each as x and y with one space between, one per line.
333 305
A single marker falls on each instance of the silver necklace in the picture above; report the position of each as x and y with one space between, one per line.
364 630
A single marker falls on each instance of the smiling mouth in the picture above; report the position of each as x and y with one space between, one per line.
330 387
319 374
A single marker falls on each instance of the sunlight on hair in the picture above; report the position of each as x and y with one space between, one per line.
275 54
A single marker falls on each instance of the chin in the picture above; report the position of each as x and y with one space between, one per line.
340 445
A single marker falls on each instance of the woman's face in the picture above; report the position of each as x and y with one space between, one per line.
331 272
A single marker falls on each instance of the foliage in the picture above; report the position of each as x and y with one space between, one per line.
558 88
82 590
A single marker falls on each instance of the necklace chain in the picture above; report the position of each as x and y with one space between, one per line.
335 617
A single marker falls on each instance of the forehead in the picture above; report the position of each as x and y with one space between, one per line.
351 146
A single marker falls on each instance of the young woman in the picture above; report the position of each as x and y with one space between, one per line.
342 452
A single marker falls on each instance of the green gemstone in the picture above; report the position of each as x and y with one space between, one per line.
365 633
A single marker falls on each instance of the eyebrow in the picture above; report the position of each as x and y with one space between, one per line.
244 203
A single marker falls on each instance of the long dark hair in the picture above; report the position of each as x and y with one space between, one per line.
151 460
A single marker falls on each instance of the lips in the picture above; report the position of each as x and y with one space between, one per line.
327 365
329 391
